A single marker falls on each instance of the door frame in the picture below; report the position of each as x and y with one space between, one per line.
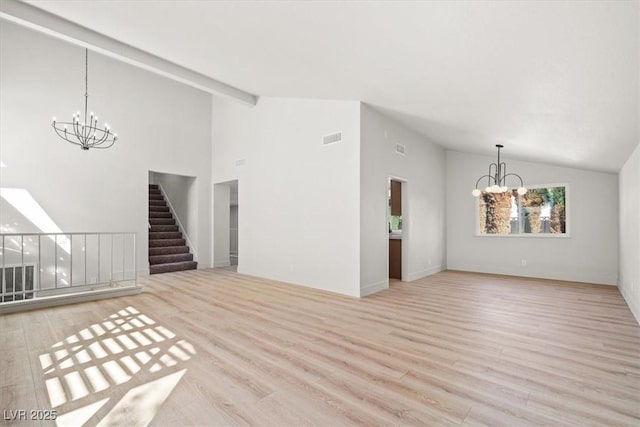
406 224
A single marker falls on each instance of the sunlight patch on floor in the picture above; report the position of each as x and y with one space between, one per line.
120 370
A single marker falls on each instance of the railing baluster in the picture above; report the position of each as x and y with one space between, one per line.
70 260
4 271
98 278
24 276
55 262
85 259
39 262
135 259
123 254
111 272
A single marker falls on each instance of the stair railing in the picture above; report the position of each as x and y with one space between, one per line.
54 265
192 248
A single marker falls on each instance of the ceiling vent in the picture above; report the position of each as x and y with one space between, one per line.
400 149
332 139
241 162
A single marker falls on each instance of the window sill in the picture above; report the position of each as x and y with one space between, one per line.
528 236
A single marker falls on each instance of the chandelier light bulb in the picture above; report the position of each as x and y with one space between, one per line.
54 119
522 191
504 189
476 192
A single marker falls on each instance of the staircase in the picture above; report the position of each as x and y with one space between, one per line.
168 250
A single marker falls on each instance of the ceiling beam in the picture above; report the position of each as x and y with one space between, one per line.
40 20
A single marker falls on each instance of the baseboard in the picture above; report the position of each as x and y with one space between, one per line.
610 280
217 264
424 273
633 304
373 288
52 301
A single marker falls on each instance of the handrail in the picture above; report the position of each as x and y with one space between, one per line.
180 226
71 233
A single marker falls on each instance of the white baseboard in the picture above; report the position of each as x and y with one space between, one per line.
52 301
574 276
424 273
373 288
222 263
634 304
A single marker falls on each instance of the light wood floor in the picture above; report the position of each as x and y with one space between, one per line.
218 348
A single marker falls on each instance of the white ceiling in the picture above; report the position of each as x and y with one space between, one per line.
557 82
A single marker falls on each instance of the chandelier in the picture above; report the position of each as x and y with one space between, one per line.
84 131
497 177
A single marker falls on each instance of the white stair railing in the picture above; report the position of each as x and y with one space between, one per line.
55 266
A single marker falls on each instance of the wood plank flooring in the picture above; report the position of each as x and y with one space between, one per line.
213 347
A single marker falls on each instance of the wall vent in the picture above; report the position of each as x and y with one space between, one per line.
331 139
400 149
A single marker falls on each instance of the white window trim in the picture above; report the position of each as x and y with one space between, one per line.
567 211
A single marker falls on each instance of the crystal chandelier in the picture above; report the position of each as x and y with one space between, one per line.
497 177
84 131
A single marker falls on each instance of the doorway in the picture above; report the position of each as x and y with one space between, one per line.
396 227
226 250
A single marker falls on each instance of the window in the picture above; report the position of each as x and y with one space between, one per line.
16 284
541 211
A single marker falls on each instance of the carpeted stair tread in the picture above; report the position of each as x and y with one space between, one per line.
158 208
173 266
166 259
168 250
161 221
158 228
160 215
165 235
166 242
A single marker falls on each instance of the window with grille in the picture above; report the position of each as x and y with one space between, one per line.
16 283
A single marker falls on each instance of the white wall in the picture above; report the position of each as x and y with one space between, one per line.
629 280
163 126
423 167
300 199
590 254
182 192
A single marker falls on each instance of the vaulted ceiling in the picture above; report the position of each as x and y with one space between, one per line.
557 82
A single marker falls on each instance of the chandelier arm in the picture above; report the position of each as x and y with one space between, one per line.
101 139
503 173
76 128
103 148
493 175
484 176
63 136
517 176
